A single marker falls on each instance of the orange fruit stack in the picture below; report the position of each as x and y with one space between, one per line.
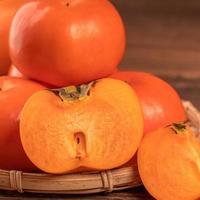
65 106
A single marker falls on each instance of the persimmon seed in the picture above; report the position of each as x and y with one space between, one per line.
81 145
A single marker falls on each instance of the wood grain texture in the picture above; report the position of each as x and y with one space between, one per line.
188 88
163 37
133 194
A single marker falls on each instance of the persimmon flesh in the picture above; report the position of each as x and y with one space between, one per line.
95 126
169 163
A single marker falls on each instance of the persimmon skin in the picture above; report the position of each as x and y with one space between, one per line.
169 164
8 9
72 42
13 94
161 104
108 122
14 72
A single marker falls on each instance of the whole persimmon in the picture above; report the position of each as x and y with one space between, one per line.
67 42
169 163
14 72
160 102
8 9
95 126
13 94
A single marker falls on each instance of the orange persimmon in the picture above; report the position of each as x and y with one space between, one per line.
94 126
72 42
13 94
8 9
160 102
169 163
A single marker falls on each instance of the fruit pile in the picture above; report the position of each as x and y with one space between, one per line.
65 107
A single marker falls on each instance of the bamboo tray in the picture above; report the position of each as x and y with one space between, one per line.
83 183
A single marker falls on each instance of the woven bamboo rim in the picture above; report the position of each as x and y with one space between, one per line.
83 183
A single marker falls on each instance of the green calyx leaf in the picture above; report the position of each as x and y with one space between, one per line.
72 93
179 127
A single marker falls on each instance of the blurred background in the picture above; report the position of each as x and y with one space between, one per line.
163 37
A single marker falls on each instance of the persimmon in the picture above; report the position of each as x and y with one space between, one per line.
71 41
8 9
13 94
14 72
169 163
94 126
160 102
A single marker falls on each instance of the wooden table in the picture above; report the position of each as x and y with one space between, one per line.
163 37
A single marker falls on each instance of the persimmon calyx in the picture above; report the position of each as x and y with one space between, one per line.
72 93
179 127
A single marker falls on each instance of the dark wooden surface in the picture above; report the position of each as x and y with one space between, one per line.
133 194
163 37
